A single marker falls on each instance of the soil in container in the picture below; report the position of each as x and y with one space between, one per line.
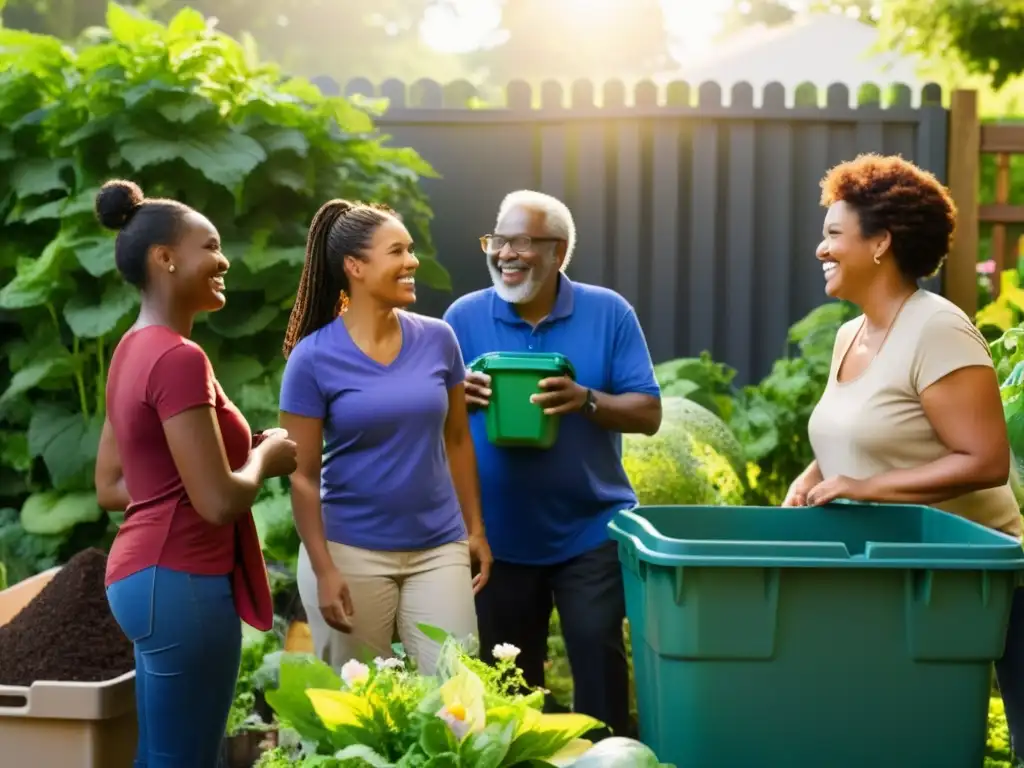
67 632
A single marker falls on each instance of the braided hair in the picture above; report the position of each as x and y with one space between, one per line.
339 229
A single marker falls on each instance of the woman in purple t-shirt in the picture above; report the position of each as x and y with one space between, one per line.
386 496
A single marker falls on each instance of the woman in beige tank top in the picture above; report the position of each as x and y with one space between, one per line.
911 413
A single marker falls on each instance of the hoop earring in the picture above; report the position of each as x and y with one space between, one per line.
342 302
878 258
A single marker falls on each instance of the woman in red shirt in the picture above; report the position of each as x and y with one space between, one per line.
178 457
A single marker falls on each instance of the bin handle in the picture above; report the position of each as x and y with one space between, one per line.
14 700
875 550
624 528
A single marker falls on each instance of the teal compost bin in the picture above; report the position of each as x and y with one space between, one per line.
512 420
845 636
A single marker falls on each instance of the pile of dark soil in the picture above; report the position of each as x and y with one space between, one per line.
67 632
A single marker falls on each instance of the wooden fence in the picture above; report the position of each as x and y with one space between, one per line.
705 216
969 141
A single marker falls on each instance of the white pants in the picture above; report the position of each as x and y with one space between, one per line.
393 592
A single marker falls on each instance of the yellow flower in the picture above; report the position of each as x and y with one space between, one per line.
462 699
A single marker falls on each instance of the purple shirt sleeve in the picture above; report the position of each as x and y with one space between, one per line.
456 371
300 392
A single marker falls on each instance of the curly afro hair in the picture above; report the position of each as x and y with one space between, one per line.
893 195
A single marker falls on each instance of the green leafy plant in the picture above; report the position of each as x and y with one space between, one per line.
385 714
770 418
1007 310
701 379
192 114
256 646
1008 357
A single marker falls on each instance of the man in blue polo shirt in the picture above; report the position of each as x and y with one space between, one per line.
546 511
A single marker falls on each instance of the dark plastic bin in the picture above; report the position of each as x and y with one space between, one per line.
512 420
846 636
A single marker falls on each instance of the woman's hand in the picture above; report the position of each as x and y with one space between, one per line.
838 487
278 452
335 600
480 553
796 496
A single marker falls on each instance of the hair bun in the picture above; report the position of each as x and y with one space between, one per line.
117 202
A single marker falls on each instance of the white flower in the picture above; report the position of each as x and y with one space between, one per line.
389 663
355 673
505 652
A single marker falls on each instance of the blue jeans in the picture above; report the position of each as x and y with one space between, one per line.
1010 673
188 645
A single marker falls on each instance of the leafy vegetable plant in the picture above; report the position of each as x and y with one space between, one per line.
386 715
188 113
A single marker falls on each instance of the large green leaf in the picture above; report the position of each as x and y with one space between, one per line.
487 748
30 215
246 321
130 27
359 755
279 139
14 450
289 700
82 202
96 255
39 176
7 150
49 512
186 22
351 119
260 259
36 279
258 400
49 365
234 371
66 441
187 110
433 275
90 320
276 527
544 735
225 158
25 554
1013 410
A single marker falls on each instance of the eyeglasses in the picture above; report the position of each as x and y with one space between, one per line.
519 243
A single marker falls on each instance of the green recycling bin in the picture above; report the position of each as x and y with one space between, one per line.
844 636
512 420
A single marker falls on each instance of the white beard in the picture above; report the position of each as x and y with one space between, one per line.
529 288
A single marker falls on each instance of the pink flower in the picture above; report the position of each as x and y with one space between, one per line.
986 267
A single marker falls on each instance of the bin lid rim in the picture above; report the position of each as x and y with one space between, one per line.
540 362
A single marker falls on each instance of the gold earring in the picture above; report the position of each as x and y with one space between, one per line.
878 258
342 303
170 268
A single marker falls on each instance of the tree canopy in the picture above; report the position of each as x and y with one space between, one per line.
987 38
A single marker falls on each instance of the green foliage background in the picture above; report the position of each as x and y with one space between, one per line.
188 113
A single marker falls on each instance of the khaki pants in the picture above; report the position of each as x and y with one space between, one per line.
393 592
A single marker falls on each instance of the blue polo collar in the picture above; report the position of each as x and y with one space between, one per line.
505 312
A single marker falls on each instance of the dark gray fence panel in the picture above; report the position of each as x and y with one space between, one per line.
706 217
